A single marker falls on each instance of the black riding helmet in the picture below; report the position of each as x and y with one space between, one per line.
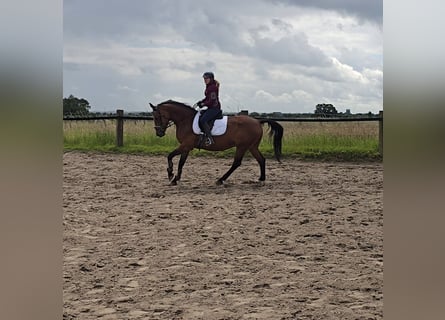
208 75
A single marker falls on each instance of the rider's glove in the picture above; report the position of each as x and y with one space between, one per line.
198 105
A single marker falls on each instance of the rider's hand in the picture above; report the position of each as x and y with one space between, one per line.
198 105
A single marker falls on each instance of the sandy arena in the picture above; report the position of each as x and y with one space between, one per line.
306 245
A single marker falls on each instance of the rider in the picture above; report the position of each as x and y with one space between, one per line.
211 101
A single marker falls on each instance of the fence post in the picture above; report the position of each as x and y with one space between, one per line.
381 133
120 128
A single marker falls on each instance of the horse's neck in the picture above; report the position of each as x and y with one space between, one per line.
180 115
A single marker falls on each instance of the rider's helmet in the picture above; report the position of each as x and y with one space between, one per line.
208 75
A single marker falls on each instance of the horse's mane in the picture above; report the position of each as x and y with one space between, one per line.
176 103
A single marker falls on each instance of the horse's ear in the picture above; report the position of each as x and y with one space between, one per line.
152 106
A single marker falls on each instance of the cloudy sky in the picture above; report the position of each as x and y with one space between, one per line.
269 55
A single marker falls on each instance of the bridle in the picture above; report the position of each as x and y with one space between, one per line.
163 128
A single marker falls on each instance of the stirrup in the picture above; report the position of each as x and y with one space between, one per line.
209 141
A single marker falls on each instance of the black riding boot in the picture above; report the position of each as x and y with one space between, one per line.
208 136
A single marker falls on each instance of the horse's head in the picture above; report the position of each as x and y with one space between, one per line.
161 120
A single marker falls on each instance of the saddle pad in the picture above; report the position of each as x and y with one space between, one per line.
218 129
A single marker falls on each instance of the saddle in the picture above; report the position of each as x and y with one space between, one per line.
218 126
218 117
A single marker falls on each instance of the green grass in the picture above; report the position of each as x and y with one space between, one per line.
323 146
350 141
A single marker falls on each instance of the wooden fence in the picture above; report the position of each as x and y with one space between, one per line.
120 117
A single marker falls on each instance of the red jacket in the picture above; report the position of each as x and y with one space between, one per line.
212 95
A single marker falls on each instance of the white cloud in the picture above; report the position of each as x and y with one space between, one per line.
346 72
286 97
268 57
126 88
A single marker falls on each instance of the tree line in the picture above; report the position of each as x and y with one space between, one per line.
73 106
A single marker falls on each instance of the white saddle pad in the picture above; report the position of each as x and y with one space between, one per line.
218 129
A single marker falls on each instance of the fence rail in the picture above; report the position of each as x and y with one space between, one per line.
120 117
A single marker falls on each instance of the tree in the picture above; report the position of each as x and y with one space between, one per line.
325 109
75 106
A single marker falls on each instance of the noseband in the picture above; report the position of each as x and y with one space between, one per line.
164 128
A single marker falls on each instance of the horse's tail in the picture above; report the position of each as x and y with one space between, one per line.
276 130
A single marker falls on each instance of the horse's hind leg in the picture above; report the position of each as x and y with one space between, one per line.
239 154
261 161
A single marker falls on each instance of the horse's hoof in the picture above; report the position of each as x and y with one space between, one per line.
173 183
219 182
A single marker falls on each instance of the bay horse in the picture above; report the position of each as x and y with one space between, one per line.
243 132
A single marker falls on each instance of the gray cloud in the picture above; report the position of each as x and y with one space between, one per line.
71 66
360 60
125 53
291 50
370 10
197 67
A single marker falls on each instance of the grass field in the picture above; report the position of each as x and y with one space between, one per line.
314 140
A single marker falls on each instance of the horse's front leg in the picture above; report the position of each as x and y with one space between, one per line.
182 160
184 154
170 157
